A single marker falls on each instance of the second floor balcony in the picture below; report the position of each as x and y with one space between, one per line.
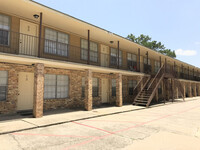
24 44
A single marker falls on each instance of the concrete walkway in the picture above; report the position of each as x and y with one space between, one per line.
21 124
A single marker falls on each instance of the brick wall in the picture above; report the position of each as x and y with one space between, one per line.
10 105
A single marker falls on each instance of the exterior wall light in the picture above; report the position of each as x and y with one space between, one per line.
36 16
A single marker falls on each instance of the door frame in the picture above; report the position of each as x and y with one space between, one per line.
17 105
21 33
108 90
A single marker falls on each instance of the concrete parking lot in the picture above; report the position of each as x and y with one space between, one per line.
169 127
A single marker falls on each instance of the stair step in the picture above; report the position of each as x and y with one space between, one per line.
142 94
144 104
140 101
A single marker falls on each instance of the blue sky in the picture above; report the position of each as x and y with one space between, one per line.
176 23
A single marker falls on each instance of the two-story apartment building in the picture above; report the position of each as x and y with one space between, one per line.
50 60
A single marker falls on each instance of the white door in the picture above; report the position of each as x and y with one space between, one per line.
25 91
105 91
104 56
28 42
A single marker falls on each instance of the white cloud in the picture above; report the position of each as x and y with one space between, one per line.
185 52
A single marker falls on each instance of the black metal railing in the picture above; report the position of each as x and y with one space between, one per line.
23 44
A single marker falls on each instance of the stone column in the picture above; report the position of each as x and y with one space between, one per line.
88 90
164 90
195 90
119 90
198 85
172 89
39 90
189 90
183 89
177 93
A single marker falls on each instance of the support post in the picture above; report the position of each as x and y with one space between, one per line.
188 73
40 36
119 101
138 59
184 89
88 90
172 89
118 54
38 90
88 46
160 62
198 89
195 90
189 90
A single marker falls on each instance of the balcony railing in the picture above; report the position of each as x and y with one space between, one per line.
23 44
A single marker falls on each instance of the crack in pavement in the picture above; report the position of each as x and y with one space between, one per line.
18 143
30 123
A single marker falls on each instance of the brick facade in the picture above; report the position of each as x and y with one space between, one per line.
38 90
75 99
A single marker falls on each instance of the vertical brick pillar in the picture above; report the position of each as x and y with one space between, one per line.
198 85
172 89
177 91
183 88
195 89
189 90
88 90
119 90
157 95
39 90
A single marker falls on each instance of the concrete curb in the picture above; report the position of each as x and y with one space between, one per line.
62 122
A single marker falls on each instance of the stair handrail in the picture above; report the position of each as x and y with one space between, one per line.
155 76
154 91
138 85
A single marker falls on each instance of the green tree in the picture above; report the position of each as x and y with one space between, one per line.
146 41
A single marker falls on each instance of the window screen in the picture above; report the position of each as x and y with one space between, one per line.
157 66
4 29
95 87
3 85
62 86
132 62
113 87
49 86
83 87
56 86
93 50
114 57
56 42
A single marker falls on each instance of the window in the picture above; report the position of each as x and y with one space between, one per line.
157 66
114 57
83 87
56 86
4 29
56 42
131 85
113 87
93 50
145 61
132 61
3 85
95 87
147 68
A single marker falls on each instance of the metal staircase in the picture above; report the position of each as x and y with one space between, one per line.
147 92
147 86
